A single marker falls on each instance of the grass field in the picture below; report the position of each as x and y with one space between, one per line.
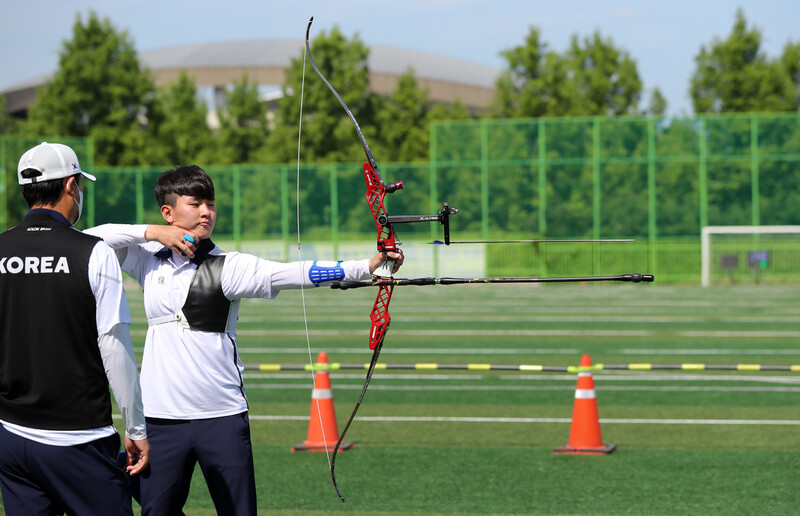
435 442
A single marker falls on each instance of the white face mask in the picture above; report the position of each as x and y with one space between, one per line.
79 202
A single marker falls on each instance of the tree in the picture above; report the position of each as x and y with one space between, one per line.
6 123
99 91
605 78
183 129
328 133
790 60
734 75
592 78
243 123
455 111
403 122
535 83
657 104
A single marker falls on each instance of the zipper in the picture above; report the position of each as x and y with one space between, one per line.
236 365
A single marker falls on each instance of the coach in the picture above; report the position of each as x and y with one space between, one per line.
64 339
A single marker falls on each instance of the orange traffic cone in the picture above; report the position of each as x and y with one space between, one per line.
584 434
322 431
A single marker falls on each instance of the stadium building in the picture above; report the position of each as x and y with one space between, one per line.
215 66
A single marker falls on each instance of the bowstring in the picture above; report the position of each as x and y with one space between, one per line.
302 268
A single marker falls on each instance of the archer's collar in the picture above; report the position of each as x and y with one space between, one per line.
199 255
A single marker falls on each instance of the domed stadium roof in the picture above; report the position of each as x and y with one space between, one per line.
219 64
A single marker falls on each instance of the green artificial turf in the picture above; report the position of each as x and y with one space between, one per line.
690 441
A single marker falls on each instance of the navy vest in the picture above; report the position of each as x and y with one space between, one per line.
51 372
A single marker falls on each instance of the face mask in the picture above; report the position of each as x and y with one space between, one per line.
79 202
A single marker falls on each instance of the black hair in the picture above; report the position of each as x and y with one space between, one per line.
45 193
187 180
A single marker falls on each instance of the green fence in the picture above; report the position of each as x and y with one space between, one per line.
632 176
659 180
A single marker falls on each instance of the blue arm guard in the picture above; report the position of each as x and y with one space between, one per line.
318 273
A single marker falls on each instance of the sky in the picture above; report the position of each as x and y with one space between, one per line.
663 37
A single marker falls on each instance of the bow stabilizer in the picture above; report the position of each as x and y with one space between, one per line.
420 282
540 241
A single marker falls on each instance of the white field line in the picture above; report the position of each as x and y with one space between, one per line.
360 376
465 316
244 350
550 300
545 303
441 419
714 311
357 332
598 376
484 388
409 351
696 351
740 334
427 351
644 376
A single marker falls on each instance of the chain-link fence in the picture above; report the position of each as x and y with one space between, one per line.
659 180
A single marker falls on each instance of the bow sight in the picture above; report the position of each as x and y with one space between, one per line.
443 218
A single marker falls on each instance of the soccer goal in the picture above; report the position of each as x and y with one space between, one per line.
749 254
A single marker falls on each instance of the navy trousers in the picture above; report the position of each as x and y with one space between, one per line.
222 448
39 479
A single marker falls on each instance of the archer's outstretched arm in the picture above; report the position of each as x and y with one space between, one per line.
247 276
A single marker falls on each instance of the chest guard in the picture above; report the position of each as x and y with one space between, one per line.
206 307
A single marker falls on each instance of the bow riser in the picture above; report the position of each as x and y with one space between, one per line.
376 191
380 316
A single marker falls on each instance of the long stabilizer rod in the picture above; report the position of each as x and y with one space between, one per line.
402 282
545 241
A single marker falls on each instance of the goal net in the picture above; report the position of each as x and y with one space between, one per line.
750 254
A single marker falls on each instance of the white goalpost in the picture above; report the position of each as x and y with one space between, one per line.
709 231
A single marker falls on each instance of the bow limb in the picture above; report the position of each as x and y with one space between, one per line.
376 352
376 191
376 188
339 98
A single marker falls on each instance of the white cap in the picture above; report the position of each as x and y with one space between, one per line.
53 160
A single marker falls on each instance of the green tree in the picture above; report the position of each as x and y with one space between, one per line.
328 134
99 91
790 60
604 77
6 122
243 123
403 122
657 104
404 119
735 75
454 111
183 129
592 78
535 83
